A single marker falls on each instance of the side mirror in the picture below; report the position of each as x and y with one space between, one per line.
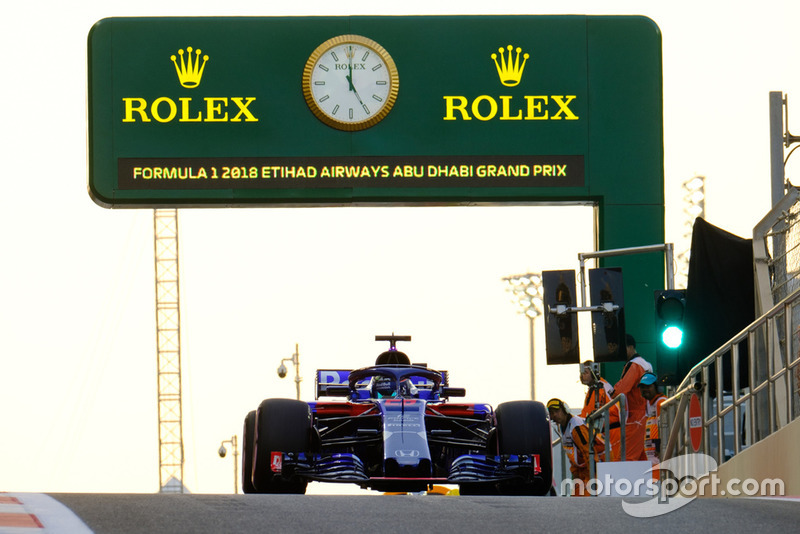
453 392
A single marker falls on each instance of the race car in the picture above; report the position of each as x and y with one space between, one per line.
396 431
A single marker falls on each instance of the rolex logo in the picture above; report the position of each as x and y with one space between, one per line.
509 69
189 109
547 107
190 70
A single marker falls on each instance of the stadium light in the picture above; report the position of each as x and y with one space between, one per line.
694 198
526 290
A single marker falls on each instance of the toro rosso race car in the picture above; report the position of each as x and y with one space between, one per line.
396 431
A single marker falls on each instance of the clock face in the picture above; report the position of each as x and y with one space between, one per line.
350 82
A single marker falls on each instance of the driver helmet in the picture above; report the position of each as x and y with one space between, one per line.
384 386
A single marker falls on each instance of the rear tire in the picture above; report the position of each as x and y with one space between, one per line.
248 437
282 425
523 429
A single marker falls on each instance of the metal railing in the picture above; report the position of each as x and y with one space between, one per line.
557 443
747 389
776 252
599 422
602 415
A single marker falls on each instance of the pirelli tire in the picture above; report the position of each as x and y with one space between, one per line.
281 425
523 428
248 445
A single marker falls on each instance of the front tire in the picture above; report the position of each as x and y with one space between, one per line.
248 437
523 429
282 425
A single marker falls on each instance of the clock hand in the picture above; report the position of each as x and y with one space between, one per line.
350 67
350 80
353 88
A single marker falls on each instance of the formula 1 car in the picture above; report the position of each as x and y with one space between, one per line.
396 431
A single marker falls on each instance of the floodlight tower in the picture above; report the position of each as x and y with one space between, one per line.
527 292
168 347
694 206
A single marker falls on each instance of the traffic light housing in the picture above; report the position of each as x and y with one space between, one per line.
670 311
608 326
560 326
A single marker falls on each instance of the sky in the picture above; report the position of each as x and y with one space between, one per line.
77 326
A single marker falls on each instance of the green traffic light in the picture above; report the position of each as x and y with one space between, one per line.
672 337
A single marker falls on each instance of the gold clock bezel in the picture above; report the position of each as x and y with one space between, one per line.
394 82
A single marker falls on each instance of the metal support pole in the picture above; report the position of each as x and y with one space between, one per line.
222 452
168 351
668 258
533 372
235 465
527 291
776 145
296 361
596 417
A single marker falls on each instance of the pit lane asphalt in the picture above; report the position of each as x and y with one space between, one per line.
215 514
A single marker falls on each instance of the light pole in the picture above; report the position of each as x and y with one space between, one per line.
527 292
295 359
223 451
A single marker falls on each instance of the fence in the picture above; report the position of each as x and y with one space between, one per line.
748 388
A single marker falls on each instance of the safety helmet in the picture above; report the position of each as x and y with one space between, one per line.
648 379
591 367
557 404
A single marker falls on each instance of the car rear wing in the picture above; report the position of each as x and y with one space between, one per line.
331 378
336 378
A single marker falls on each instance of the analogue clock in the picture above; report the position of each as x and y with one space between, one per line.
350 82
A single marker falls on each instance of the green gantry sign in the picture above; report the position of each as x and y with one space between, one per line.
213 111
322 111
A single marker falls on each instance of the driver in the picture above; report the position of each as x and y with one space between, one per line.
383 387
